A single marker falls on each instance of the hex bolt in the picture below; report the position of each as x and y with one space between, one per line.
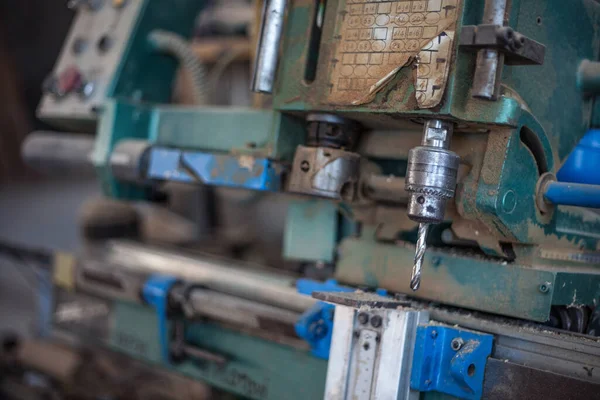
363 318
545 287
434 334
304 166
457 344
376 321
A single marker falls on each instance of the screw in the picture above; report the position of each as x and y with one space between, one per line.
363 318
545 287
457 344
434 334
304 166
376 321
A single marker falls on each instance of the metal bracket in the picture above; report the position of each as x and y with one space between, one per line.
517 48
315 325
241 171
173 346
156 293
450 360
373 346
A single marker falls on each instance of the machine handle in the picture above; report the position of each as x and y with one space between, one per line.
573 194
181 350
267 50
58 153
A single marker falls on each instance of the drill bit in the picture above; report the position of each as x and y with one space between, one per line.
415 279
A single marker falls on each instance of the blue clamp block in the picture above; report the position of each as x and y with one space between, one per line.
450 360
315 326
156 293
214 169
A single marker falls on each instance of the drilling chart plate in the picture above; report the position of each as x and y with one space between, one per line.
377 39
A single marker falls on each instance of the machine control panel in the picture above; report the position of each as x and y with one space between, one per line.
89 60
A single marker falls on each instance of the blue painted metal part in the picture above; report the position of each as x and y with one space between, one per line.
213 169
315 326
440 368
583 164
156 293
573 194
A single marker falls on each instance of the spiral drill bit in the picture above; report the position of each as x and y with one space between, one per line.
415 279
430 181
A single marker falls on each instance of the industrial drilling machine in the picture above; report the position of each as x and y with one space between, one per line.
446 166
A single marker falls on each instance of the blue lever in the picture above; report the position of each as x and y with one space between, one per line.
573 194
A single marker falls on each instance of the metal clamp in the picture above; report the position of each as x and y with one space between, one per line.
173 347
450 361
156 293
244 171
517 48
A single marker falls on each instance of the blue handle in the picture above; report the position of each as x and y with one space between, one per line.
573 194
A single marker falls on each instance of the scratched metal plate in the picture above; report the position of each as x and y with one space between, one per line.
82 315
377 38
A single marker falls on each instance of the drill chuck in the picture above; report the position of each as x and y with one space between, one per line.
430 181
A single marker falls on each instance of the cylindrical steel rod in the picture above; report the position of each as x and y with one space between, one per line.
267 51
213 273
57 153
489 62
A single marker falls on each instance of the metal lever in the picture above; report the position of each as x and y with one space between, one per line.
180 350
267 50
488 70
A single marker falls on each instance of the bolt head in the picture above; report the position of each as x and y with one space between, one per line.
363 318
434 334
304 166
376 321
457 344
545 287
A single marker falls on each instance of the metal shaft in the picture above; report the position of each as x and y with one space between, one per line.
415 279
59 153
267 50
489 62
212 273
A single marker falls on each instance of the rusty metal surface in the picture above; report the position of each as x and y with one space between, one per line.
506 380
376 40
459 279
